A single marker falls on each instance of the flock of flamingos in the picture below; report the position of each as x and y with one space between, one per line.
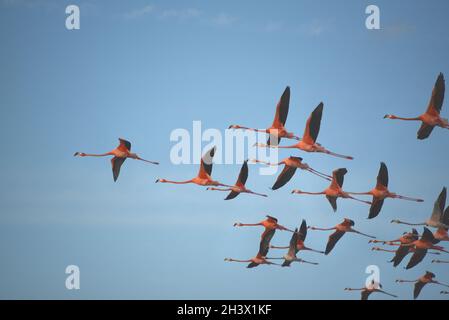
419 245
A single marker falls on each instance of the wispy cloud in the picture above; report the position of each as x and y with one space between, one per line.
223 19
139 12
180 14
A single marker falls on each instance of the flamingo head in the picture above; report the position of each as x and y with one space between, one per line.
160 180
234 126
227 259
237 224
296 191
81 154
395 221
389 116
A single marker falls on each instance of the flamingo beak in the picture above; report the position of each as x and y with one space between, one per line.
156 181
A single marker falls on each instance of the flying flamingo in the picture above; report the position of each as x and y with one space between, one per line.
367 290
271 223
431 117
334 191
437 219
290 166
340 230
239 186
204 175
263 251
308 142
402 251
120 154
440 261
381 192
426 242
277 129
291 257
421 282
300 238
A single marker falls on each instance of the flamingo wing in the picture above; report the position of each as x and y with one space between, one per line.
313 125
338 177
333 239
365 294
116 165
206 163
376 206
436 100
265 242
252 265
445 219
292 245
400 255
418 287
287 173
232 195
243 175
124 145
438 207
424 131
417 257
427 236
382 176
333 202
282 109
303 231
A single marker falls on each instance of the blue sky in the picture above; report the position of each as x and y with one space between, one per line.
139 69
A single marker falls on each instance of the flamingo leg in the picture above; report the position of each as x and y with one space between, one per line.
361 233
319 174
407 198
148 161
336 154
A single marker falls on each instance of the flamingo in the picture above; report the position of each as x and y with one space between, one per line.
308 142
300 238
426 242
437 219
431 117
277 129
340 230
381 192
334 191
239 186
271 223
120 154
204 175
428 277
290 166
368 290
261 255
291 257
440 261
400 253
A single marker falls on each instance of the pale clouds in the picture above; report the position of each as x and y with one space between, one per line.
139 12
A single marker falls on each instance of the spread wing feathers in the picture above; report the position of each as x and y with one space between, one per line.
116 165
243 175
252 265
124 144
339 176
417 257
293 242
424 131
303 231
400 255
265 242
287 263
382 176
418 287
313 125
376 206
333 239
206 163
232 195
427 235
282 108
284 177
365 294
436 100
333 202
445 219
438 207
